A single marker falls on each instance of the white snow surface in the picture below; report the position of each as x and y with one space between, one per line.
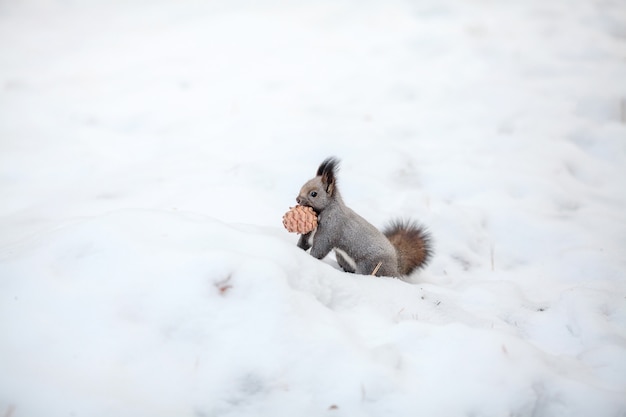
148 150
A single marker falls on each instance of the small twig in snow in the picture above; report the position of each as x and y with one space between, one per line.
223 285
377 268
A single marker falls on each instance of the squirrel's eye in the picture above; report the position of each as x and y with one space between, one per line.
313 194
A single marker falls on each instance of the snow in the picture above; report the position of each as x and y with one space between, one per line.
148 150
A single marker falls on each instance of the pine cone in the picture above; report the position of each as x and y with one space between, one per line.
300 219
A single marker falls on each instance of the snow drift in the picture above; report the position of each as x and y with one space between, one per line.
161 313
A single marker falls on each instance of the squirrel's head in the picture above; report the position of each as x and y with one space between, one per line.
321 190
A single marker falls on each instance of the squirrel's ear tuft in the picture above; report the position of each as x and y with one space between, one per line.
330 165
327 170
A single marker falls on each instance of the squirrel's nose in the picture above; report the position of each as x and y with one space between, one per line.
298 199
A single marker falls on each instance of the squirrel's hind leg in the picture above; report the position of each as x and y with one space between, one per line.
344 261
387 268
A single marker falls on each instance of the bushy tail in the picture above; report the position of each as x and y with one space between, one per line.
412 242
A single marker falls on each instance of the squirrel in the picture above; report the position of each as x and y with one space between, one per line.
401 248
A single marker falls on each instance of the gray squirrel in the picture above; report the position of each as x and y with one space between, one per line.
400 249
